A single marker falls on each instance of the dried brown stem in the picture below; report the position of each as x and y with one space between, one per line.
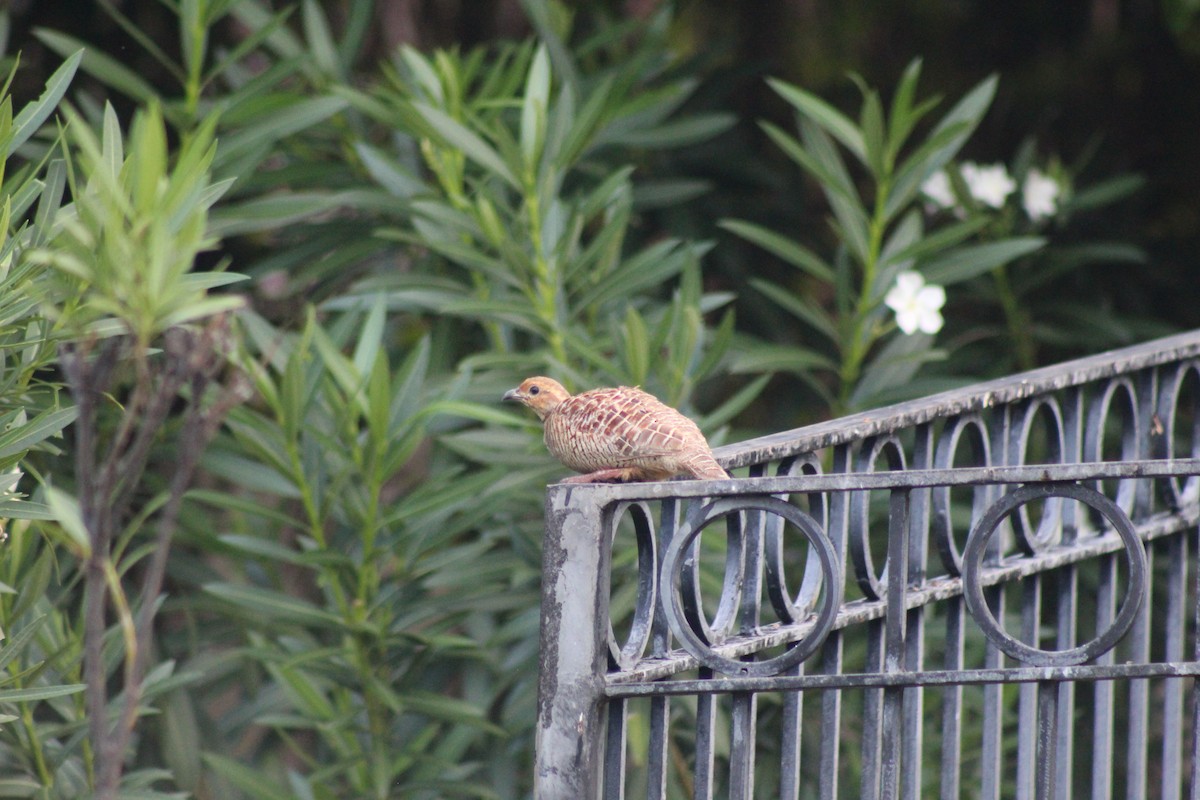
106 487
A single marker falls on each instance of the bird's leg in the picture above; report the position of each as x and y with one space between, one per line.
614 475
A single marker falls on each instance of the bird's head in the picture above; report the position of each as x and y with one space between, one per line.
541 394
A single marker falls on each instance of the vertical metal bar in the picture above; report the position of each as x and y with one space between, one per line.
743 710
614 751
1139 695
1067 586
1102 733
1004 450
1067 593
791 718
706 724
1028 731
831 720
993 708
1139 637
574 619
1195 793
659 745
660 643
1047 740
952 703
743 715
896 648
918 557
1173 651
872 714
831 651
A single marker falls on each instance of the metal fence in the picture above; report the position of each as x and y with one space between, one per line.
986 593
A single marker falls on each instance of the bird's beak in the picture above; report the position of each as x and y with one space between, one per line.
511 395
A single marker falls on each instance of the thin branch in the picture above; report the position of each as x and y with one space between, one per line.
197 360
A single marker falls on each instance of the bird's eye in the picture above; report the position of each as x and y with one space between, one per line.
534 389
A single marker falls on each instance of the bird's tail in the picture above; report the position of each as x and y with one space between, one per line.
704 467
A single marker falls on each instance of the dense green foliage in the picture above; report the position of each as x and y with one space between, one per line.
349 583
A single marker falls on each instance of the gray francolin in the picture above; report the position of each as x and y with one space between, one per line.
620 434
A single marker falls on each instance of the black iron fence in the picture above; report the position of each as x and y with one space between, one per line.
987 593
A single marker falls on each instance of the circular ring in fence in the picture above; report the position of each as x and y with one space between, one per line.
626 655
791 609
1167 428
688 573
1097 424
675 563
872 583
1135 559
1050 525
941 521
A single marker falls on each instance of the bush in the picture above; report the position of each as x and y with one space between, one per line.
295 542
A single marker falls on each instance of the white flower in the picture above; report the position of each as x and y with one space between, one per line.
989 185
1040 194
917 306
938 190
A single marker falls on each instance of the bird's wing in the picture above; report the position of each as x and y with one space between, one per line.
618 427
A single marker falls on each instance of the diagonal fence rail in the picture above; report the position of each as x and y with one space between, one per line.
991 593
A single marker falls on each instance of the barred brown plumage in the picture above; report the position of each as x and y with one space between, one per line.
617 434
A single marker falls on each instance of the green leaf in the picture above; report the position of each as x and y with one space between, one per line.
938 240
800 307
44 425
680 133
459 136
321 47
964 263
893 365
847 206
103 68
1104 193
286 116
388 172
651 194
268 605
534 108
270 213
903 116
790 251
370 337
255 783
70 518
829 181
876 149
635 340
34 114
650 267
39 693
736 404
834 122
16 643
475 411
763 357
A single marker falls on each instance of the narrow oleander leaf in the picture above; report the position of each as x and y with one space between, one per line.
43 426
103 68
39 693
31 117
67 513
964 263
455 134
275 606
790 251
834 122
534 109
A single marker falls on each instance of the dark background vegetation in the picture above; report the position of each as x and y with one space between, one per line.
1117 81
